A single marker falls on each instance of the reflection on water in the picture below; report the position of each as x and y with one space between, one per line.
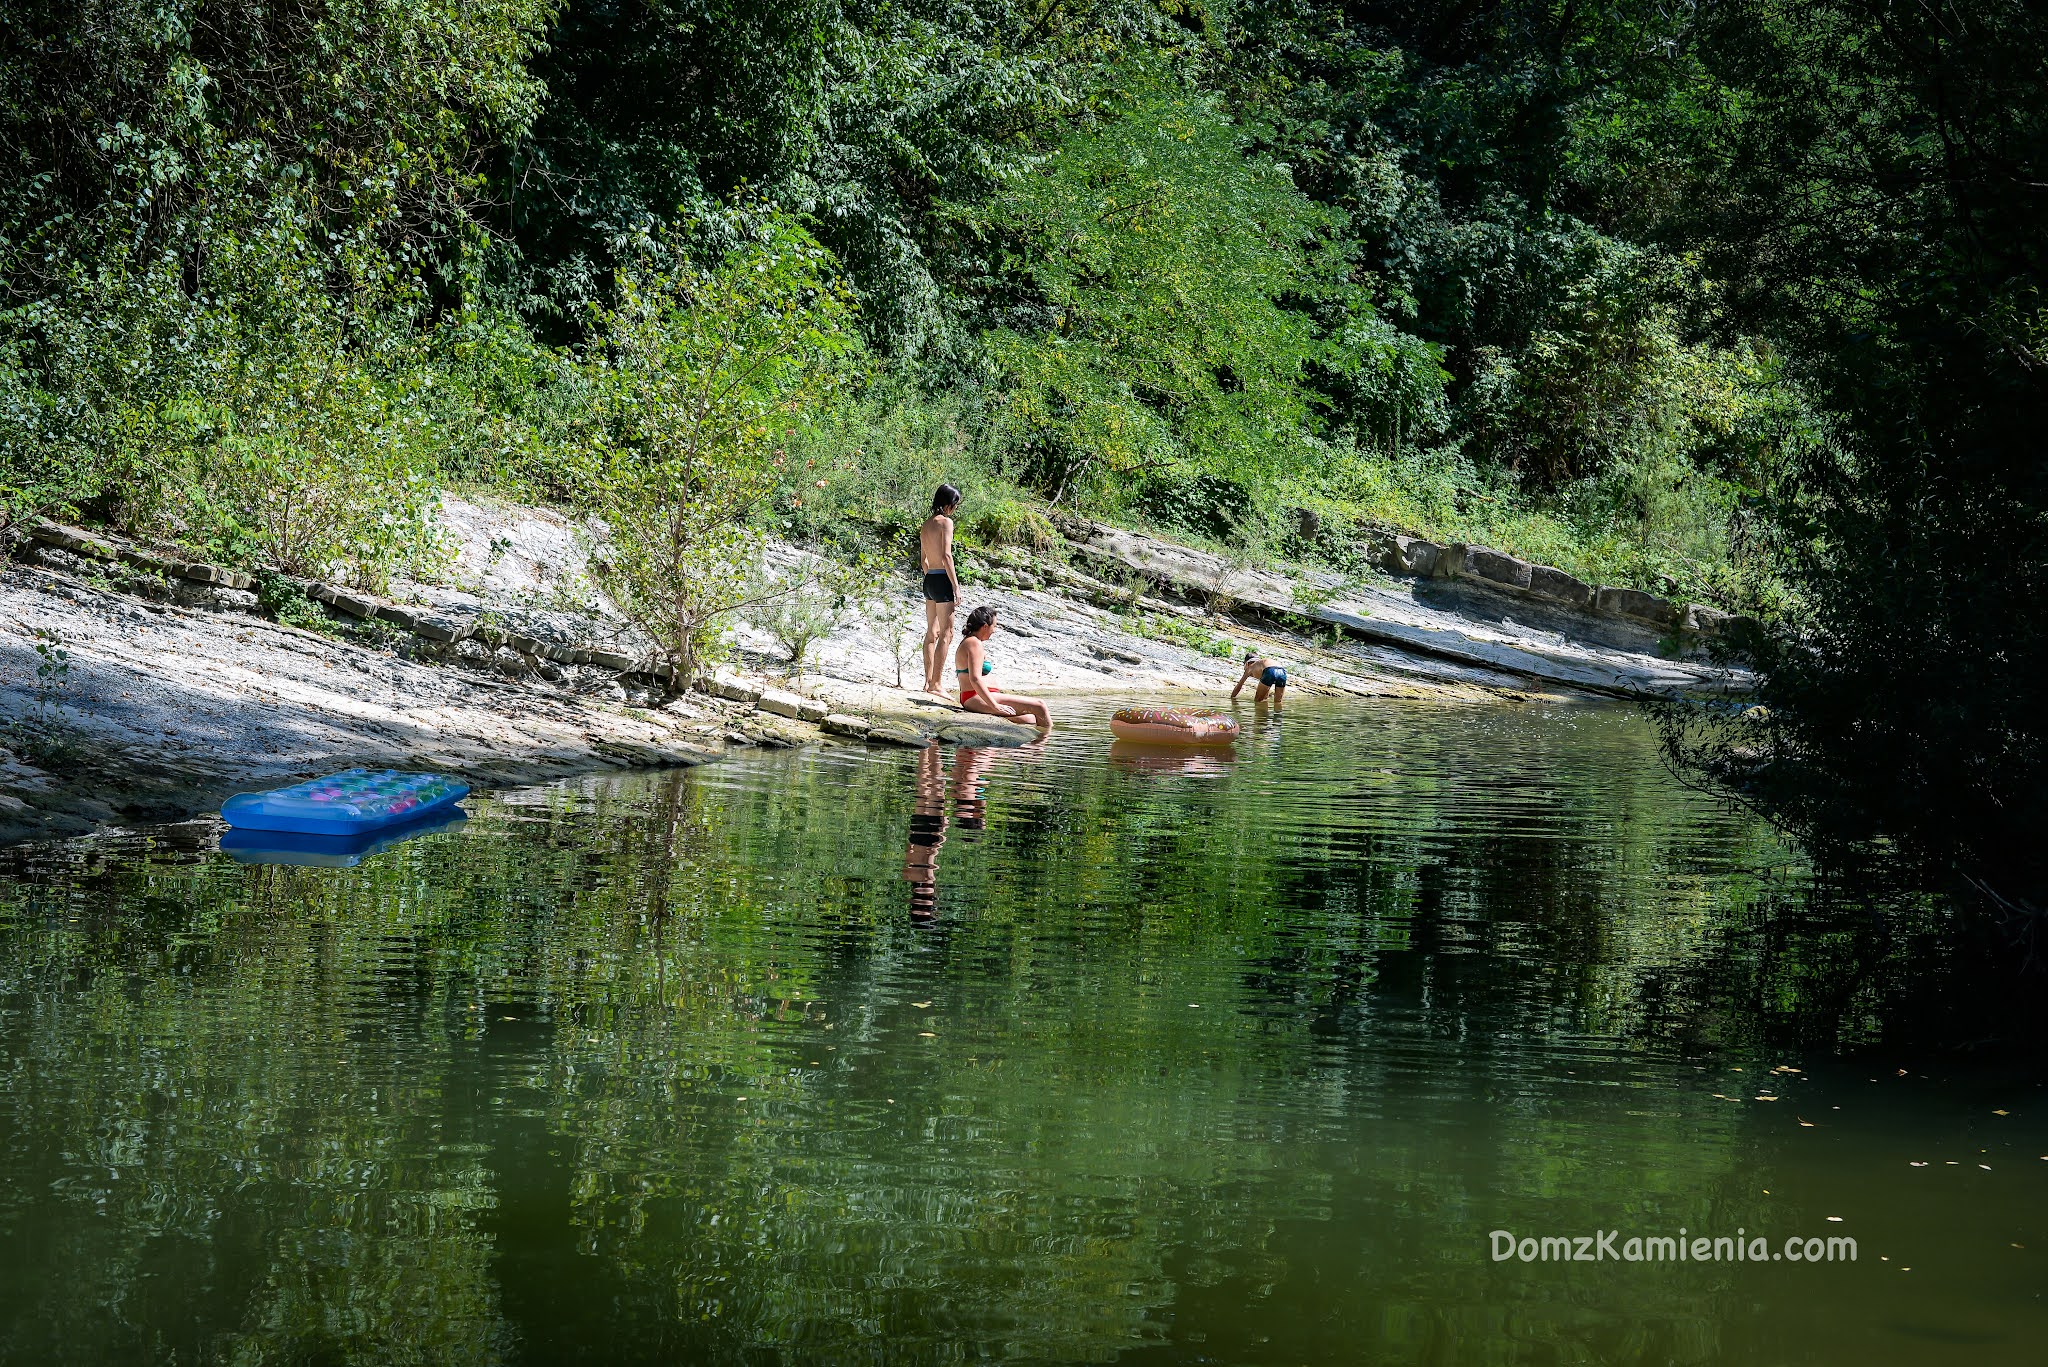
1242 1068
246 845
963 781
1181 761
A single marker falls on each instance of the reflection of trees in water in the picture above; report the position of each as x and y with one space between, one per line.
210 1075
481 1095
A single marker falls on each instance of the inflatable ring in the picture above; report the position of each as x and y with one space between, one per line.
1173 726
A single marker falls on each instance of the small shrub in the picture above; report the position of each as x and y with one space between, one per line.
287 602
44 739
880 605
798 609
1192 636
1009 522
53 673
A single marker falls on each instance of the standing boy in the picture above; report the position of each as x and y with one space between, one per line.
941 584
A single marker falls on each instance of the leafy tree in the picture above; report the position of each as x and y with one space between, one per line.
857 116
695 378
1150 266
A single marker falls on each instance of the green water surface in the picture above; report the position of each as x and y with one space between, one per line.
1072 1053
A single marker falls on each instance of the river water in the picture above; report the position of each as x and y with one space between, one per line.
1062 1054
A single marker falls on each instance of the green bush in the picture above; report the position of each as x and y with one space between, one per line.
322 471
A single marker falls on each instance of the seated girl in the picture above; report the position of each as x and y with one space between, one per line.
972 668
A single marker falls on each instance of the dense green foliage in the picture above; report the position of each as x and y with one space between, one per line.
1144 320
1187 264
1736 300
1883 173
222 227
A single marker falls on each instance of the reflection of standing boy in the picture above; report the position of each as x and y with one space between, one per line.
927 833
1272 678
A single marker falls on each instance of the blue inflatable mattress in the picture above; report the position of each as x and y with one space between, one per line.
353 802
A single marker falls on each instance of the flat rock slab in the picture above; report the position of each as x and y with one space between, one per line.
1005 735
173 709
732 688
844 724
896 733
654 756
1447 622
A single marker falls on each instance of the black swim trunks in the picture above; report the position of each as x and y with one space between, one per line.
938 588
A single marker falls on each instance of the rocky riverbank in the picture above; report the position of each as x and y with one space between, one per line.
138 687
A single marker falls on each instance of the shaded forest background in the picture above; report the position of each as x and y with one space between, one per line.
1736 300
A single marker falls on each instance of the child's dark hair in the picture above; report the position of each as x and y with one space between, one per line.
946 498
1251 654
980 618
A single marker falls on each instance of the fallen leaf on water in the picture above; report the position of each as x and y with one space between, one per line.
1916 1163
1985 1166
926 1034
2001 1113
1807 1123
920 1005
1834 1219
